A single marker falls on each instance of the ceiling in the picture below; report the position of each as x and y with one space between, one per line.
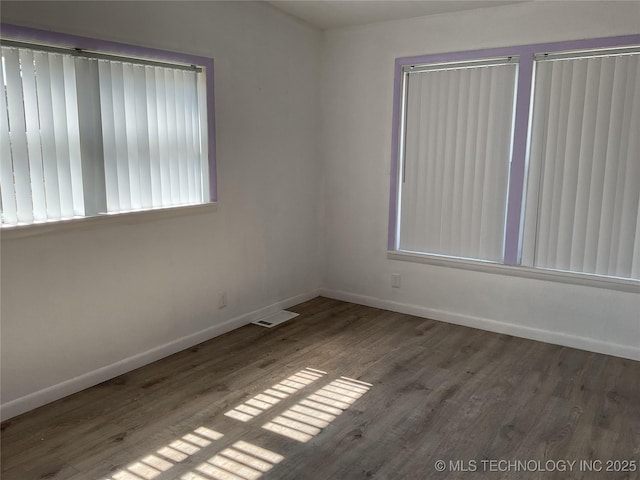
326 14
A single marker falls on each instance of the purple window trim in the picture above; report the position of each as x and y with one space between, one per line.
521 124
58 39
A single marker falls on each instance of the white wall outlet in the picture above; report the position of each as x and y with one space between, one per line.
222 300
395 280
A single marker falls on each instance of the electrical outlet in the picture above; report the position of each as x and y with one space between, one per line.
222 300
395 280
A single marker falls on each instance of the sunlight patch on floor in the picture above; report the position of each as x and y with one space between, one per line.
271 396
240 461
307 418
243 460
166 457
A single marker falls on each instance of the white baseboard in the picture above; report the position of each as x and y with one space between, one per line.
89 379
557 338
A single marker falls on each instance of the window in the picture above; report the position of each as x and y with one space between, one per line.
525 156
86 133
584 174
456 149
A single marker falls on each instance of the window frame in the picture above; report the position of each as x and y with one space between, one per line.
69 41
517 175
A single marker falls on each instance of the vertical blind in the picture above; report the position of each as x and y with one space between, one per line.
150 128
82 136
458 135
40 176
582 212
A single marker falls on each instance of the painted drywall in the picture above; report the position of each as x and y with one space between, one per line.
357 89
82 304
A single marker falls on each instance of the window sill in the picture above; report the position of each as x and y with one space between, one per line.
621 284
124 218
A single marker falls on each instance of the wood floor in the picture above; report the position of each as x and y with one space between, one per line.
343 392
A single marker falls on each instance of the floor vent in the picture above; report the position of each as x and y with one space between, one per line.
275 319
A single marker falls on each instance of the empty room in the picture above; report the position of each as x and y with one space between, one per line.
320 239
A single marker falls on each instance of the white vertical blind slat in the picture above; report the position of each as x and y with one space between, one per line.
47 135
488 248
435 221
603 96
154 140
17 126
538 141
449 162
181 141
482 140
547 177
121 134
163 136
108 136
410 214
628 197
30 99
142 135
202 134
458 165
585 169
468 192
424 110
194 141
131 124
570 173
172 137
561 162
425 234
194 147
73 134
498 171
60 125
9 211
189 80
608 210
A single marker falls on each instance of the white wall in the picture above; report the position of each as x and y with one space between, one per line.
83 304
357 89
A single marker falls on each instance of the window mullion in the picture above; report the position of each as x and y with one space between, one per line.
91 141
